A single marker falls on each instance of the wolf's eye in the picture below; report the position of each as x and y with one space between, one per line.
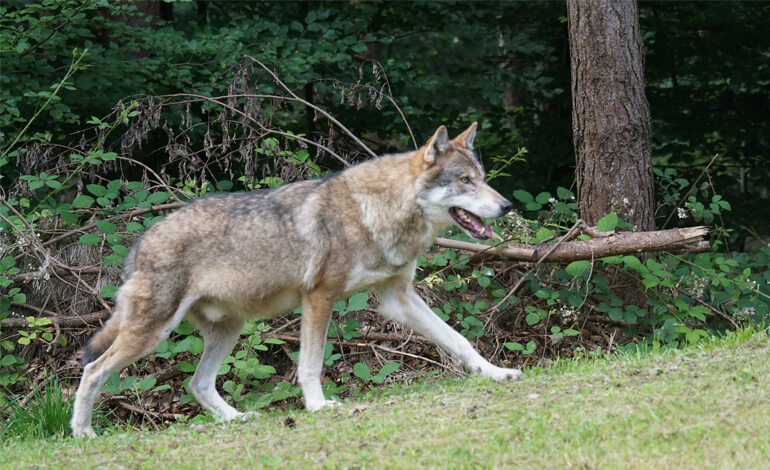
465 180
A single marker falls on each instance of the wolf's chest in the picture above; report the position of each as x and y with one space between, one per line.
363 277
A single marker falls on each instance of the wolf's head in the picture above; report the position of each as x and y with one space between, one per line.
450 184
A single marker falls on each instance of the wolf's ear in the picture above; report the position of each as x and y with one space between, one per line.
465 139
436 145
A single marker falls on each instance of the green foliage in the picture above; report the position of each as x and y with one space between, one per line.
363 372
46 415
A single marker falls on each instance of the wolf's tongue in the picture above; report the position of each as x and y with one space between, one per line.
471 223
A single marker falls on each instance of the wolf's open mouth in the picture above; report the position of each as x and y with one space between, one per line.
471 223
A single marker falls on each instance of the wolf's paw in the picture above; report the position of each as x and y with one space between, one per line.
81 432
500 374
248 416
321 405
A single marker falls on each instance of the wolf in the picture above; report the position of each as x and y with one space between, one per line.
225 258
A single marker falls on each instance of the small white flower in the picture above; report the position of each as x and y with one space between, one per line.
681 212
625 201
46 276
551 200
22 241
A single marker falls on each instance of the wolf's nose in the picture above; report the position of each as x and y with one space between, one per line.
506 207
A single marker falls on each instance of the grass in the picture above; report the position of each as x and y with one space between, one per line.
704 407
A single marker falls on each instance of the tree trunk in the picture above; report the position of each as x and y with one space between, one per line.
610 113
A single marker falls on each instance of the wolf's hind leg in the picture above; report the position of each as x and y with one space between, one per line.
131 344
218 341
139 331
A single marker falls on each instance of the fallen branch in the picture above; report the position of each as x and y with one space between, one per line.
689 239
86 320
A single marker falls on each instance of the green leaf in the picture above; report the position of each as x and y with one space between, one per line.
146 383
533 206
108 291
532 319
113 260
362 371
389 368
97 189
184 328
543 198
158 198
7 262
185 366
113 239
20 298
358 302
112 385
576 268
83 201
607 223
134 227
90 239
106 227
523 196
514 346
632 262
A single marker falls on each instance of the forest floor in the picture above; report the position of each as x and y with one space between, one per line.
701 407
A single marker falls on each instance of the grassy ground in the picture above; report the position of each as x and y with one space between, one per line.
706 407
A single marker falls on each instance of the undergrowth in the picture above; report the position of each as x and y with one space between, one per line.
68 219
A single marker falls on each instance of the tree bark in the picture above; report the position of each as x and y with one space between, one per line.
610 113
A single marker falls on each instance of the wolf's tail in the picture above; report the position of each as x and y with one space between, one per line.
101 340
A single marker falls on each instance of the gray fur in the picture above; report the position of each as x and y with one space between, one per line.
225 258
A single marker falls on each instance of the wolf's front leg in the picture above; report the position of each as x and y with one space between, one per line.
399 302
316 312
